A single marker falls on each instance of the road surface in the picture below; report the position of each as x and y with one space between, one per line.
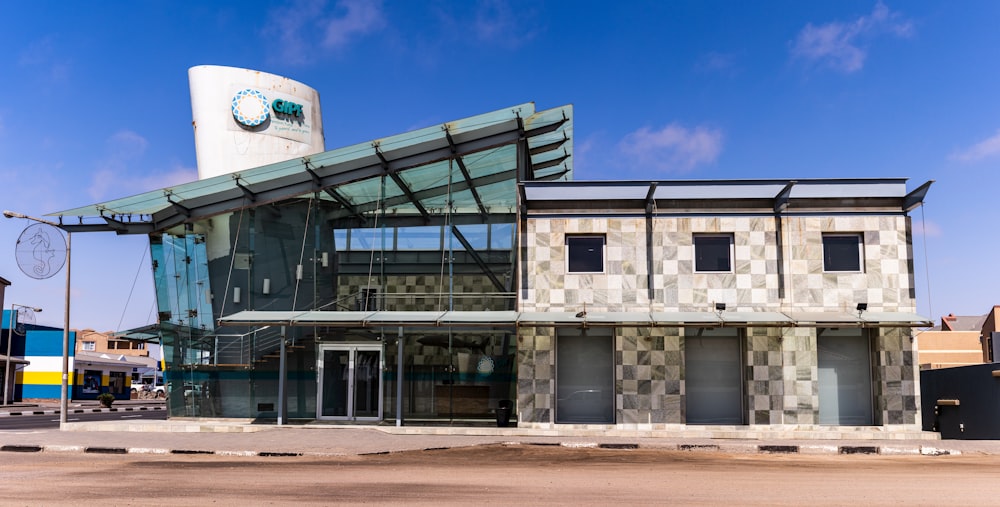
500 475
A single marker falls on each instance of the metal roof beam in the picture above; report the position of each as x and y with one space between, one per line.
548 147
477 259
550 163
465 172
246 191
441 190
400 183
346 204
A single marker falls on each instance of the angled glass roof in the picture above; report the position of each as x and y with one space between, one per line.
466 166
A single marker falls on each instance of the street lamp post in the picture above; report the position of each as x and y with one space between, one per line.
64 391
10 337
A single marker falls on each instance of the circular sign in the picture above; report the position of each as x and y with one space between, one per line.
485 366
250 107
40 251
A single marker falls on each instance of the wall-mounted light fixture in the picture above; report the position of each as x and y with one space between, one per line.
236 295
324 260
720 307
267 286
862 307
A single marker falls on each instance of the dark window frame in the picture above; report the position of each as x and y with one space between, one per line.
836 256
577 260
706 263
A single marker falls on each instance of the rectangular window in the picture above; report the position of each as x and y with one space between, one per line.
713 253
842 252
89 346
116 382
585 254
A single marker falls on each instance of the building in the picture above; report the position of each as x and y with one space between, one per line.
145 367
757 302
424 278
990 336
961 399
99 373
95 341
36 351
956 342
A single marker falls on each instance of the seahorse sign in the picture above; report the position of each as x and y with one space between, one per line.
42 252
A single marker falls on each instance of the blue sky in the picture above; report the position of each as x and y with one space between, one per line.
96 105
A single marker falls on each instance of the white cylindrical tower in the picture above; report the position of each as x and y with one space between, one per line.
244 118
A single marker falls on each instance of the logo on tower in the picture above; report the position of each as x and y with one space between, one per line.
250 107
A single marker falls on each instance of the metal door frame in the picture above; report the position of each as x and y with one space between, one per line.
352 349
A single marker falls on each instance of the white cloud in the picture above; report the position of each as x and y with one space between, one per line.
40 56
359 17
672 148
714 62
114 179
312 26
126 144
842 46
984 149
497 22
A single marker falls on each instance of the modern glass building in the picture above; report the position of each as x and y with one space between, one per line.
403 250
425 278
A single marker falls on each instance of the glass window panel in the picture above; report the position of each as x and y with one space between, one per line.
369 239
502 236
842 252
420 238
712 253
586 254
340 239
713 377
585 377
477 235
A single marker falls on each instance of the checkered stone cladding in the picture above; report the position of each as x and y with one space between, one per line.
780 368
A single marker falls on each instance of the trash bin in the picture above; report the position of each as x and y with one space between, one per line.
503 413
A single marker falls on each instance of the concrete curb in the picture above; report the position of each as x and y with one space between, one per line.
78 411
887 450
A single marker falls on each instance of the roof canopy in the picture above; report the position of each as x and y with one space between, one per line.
716 196
460 167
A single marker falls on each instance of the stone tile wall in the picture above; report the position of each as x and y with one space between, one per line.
781 368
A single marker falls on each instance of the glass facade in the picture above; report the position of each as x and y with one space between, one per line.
306 254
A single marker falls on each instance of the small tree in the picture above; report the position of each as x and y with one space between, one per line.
106 399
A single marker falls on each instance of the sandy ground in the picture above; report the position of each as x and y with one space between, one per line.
497 474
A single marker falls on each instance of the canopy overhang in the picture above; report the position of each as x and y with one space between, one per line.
570 319
460 167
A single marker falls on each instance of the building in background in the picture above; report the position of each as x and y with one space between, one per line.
141 356
956 342
102 372
41 348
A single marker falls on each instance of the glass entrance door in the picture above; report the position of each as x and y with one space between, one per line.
350 382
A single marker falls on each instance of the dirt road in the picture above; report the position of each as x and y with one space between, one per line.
493 475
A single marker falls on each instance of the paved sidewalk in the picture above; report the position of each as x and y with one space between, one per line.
244 438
